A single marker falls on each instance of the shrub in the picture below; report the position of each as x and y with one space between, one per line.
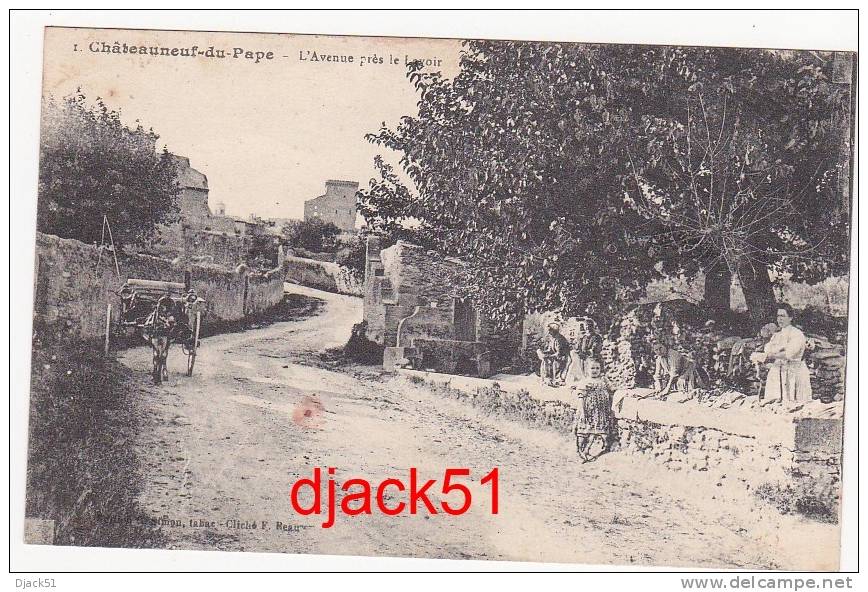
361 349
352 255
313 235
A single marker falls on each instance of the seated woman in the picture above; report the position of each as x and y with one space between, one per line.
594 417
553 356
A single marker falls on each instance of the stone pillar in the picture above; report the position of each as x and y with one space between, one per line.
281 256
372 253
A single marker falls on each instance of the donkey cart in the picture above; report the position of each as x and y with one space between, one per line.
161 313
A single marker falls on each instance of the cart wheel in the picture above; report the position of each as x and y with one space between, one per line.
108 329
191 355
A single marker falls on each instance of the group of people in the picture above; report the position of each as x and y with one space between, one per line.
563 363
578 366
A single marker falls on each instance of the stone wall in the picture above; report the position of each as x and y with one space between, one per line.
201 245
791 459
502 342
400 279
494 397
74 285
426 322
221 248
223 290
412 294
773 454
454 357
321 275
264 291
627 355
828 364
196 232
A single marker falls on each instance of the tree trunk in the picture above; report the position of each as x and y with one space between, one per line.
758 293
717 285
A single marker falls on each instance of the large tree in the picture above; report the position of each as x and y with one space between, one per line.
569 175
509 172
92 166
737 160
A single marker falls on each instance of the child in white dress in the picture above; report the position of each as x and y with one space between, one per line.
594 416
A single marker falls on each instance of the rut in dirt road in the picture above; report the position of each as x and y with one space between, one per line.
264 408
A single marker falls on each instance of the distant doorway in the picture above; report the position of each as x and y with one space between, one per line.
464 319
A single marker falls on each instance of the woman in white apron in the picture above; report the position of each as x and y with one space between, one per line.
587 345
789 380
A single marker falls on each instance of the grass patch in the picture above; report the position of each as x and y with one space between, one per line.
81 469
802 499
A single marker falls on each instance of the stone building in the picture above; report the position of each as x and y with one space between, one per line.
193 198
251 226
337 205
412 309
197 234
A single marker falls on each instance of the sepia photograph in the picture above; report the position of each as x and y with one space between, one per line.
463 299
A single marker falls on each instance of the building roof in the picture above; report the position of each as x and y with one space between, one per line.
188 177
330 195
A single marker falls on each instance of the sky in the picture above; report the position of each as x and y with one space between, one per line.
267 133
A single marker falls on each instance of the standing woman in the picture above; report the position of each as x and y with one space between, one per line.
588 345
594 417
789 380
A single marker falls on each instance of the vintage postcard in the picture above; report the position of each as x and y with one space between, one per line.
441 298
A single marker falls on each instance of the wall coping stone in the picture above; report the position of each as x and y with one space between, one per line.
816 427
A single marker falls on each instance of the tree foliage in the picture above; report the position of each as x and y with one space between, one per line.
262 252
569 176
352 254
92 165
509 175
313 235
743 169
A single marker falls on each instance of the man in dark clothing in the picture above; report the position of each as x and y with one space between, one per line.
554 356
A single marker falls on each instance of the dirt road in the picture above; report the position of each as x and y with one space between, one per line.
225 446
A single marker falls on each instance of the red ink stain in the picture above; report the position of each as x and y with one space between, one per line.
308 413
